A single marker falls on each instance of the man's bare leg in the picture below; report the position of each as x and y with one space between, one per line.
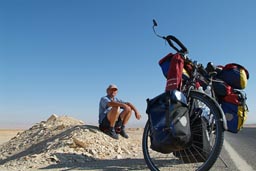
112 116
125 116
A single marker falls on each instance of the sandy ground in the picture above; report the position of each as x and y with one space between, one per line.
130 163
7 134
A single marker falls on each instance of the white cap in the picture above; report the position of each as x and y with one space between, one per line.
112 86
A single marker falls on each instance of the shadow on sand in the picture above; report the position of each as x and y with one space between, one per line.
104 165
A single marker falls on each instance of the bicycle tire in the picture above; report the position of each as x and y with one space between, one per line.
182 160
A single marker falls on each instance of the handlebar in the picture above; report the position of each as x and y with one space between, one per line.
173 42
171 38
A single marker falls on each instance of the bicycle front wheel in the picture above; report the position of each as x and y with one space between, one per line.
207 139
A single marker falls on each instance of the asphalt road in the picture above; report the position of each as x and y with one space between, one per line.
238 152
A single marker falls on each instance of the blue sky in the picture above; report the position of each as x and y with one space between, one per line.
58 56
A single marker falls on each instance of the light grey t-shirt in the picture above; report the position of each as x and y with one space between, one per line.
104 108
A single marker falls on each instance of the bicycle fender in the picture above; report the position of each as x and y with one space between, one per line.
225 125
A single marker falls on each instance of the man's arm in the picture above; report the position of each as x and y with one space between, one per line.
137 114
117 104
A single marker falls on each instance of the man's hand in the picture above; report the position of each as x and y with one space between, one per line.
137 115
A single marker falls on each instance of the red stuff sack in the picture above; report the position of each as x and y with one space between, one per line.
172 67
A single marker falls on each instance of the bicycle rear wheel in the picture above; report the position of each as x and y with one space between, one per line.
207 139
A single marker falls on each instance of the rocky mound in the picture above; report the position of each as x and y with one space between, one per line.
65 141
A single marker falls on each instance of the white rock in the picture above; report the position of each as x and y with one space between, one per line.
53 117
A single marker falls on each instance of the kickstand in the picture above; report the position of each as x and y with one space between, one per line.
223 161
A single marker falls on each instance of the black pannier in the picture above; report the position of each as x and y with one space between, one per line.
169 122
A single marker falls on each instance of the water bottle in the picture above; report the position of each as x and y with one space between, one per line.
200 88
208 91
205 109
200 104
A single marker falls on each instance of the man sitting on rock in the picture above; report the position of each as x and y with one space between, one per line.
114 113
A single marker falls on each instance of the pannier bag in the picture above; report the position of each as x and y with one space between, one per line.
235 75
221 88
169 122
200 148
235 109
